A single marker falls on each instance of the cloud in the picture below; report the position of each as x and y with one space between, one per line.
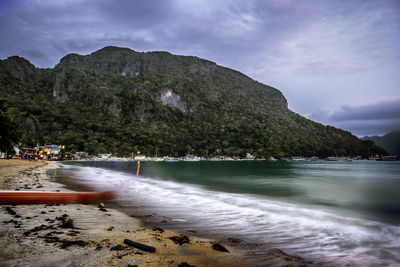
376 118
387 110
306 38
318 53
322 114
339 37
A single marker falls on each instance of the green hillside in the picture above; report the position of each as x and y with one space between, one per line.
120 101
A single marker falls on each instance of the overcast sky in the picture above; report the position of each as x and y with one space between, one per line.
336 62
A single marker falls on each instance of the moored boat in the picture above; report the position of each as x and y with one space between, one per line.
332 159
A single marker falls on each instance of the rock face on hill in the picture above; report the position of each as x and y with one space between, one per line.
120 101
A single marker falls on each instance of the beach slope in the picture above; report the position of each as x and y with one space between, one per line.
80 234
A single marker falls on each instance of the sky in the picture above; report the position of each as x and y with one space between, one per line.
337 62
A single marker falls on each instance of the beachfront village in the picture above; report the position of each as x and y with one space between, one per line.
59 153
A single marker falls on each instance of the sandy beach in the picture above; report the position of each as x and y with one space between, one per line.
81 234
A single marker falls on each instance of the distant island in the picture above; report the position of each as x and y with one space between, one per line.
390 142
119 101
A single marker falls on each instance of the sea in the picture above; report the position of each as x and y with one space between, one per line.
340 213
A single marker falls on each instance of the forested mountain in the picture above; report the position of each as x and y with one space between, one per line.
120 101
390 142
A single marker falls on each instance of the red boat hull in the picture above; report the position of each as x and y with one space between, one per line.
31 197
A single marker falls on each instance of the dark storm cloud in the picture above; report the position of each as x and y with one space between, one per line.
55 28
389 109
377 118
140 14
243 30
318 53
238 29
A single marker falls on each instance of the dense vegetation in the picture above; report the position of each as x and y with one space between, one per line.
9 133
121 101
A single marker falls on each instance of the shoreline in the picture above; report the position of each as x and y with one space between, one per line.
38 235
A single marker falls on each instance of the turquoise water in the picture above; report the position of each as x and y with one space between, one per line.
334 213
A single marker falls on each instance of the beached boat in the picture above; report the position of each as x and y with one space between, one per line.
388 158
34 197
376 157
191 158
332 159
298 159
171 159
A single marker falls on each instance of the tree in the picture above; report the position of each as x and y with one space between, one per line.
9 132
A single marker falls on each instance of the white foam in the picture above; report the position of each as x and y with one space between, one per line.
321 235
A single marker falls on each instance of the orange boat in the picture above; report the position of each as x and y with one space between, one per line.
32 197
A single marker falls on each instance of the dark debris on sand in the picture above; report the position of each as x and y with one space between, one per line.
119 247
11 211
38 228
68 224
158 229
65 243
182 239
219 247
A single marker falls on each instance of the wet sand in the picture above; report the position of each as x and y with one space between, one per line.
79 234
11 168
